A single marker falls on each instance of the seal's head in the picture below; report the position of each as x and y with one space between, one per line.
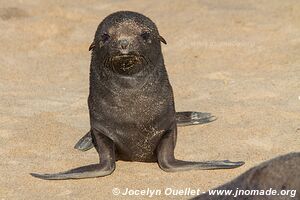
127 43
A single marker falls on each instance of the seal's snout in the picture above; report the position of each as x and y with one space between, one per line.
123 43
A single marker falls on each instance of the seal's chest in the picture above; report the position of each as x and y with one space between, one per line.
136 108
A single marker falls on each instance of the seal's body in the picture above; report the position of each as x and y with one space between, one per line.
135 118
131 101
127 105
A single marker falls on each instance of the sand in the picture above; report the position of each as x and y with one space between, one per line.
237 60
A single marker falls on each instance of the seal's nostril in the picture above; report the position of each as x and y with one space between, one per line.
124 43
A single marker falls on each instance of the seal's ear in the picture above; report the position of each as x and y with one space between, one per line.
92 46
162 40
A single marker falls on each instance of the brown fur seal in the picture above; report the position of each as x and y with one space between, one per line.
132 112
280 176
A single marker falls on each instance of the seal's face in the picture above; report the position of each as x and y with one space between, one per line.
125 42
126 47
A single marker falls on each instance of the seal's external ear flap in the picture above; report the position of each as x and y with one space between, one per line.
162 40
92 46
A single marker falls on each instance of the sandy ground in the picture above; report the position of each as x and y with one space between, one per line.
237 60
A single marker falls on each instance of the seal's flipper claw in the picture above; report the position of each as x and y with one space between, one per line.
85 143
193 118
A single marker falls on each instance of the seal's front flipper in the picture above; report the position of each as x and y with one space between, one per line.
105 147
180 165
85 143
90 171
193 118
168 162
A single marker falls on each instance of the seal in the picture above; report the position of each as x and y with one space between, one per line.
131 104
265 181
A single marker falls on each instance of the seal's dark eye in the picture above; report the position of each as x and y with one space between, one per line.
145 35
105 37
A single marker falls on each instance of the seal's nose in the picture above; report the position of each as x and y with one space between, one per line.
123 43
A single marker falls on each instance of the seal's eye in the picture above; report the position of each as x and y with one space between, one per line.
105 37
145 36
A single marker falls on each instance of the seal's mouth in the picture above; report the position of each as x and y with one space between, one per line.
126 64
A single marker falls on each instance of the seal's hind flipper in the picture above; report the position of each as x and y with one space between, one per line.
85 143
105 147
193 118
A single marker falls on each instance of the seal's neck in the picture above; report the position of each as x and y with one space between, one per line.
128 84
